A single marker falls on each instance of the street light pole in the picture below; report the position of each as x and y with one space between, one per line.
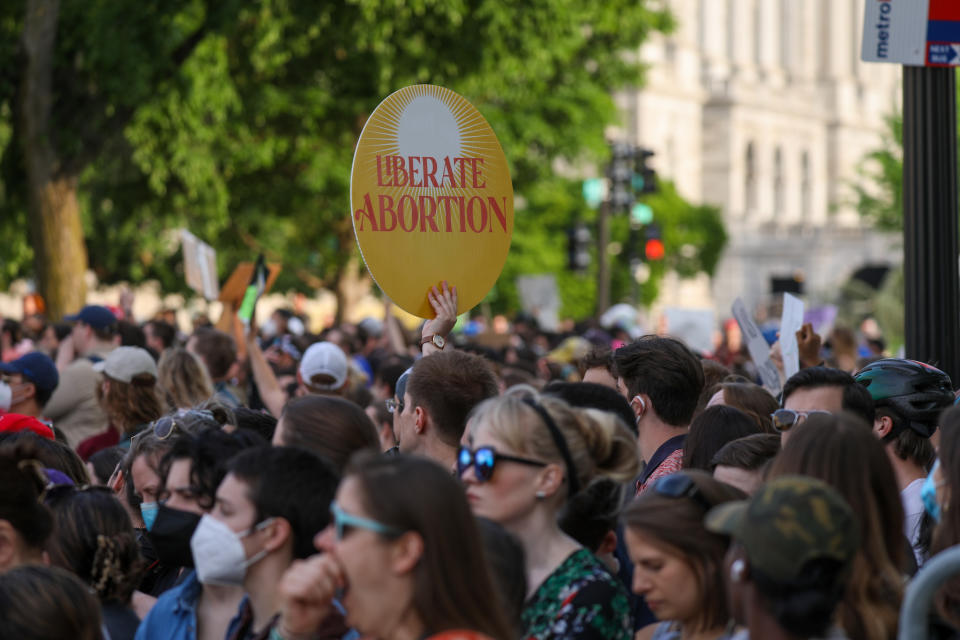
603 259
930 209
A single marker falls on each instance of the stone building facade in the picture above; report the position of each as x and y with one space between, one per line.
763 108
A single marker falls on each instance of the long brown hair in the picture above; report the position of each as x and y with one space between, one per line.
677 525
184 380
130 404
94 539
47 602
452 587
842 451
947 532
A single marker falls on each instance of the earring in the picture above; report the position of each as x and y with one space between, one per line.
541 495
737 570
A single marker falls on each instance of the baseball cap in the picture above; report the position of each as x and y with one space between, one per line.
94 315
789 522
126 363
14 422
372 327
324 359
36 367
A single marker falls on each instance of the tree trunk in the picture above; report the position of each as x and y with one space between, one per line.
60 255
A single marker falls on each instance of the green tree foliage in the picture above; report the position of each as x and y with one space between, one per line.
238 121
879 195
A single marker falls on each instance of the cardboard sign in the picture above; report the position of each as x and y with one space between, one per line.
200 265
236 285
757 346
431 197
912 32
790 322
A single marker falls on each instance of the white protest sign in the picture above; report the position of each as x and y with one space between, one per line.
757 346
540 297
200 265
695 327
790 323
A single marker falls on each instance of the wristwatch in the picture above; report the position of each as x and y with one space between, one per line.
436 339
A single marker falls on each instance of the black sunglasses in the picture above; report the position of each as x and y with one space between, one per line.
485 459
680 485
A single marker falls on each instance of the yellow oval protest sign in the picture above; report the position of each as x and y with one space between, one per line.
431 197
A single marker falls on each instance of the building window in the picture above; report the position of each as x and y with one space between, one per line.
750 178
778 200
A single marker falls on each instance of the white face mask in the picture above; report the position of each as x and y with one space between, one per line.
218 552
6 397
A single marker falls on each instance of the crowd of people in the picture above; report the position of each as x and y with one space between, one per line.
272 484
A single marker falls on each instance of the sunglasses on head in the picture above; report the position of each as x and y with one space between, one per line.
680 485
786 419
342 521
485 459
165 426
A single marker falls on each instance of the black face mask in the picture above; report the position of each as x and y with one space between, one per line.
171 535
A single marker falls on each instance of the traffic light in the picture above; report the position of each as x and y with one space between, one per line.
620 172
579 239
644 177
653 247
594 192
640 214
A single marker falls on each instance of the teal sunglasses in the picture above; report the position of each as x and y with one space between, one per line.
343 520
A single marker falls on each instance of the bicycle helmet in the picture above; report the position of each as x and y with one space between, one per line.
917 392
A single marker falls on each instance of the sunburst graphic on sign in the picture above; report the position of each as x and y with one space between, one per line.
431 198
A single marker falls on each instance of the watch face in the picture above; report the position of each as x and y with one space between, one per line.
439 341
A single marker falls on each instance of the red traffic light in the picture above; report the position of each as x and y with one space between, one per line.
654 249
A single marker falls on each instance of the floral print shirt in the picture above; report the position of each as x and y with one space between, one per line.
581 601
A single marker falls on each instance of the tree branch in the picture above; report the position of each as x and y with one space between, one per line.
93 132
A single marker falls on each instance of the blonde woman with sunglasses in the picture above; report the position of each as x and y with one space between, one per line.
526 457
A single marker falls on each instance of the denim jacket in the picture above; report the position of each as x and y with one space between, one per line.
174 616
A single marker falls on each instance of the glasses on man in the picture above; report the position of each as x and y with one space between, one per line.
394 405
343 521
786 419
485 459
680 485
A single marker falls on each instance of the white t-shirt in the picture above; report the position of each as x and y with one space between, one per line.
912 514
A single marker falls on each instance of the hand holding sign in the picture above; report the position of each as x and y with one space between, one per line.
444 304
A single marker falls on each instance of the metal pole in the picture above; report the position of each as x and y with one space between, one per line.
930 209
603 260
915 613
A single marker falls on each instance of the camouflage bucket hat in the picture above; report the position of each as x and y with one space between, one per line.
789 522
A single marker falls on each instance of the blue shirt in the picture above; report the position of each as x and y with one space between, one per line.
174 616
